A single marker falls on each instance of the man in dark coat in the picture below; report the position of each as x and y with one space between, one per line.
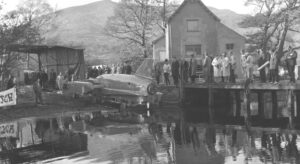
128 68
38 92
52 79
291 57
207 68
11 82
261 61
175 71
158 72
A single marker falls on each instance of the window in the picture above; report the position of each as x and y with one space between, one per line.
193 25
193 49
229 46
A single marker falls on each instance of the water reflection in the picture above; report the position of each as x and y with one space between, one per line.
95 137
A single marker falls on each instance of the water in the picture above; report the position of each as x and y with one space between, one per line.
167 137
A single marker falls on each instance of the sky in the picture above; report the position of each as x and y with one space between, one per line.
234 5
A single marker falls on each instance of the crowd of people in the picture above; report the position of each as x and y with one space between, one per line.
223 67
96 71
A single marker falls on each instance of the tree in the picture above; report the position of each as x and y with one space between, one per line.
274 18
134 21
22 26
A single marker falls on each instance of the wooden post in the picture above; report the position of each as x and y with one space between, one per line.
261 104
238 103
210 104
292 113
248 110
274 105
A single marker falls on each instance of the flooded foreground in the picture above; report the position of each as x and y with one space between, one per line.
165 137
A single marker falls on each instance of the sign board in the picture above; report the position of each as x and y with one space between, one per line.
8 97
9 130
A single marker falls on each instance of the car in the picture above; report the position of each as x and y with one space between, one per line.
132 90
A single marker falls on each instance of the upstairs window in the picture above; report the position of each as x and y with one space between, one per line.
229 46
192 25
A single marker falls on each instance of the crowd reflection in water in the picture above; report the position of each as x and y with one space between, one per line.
236 144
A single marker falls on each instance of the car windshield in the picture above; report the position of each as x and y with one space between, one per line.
145 69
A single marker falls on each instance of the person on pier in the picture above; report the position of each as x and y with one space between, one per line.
207 67
243 61
193 68
274 67
291 57
225 67
249 66
157 72
232 65
217 64
175 71
261 61
167 70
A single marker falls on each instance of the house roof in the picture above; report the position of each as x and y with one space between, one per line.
158 39
200 2
36 48
233 31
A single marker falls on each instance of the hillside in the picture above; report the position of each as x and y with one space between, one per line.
82 26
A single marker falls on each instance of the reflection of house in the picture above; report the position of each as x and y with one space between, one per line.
56 58
194 29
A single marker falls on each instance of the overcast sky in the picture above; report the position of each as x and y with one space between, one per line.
234 5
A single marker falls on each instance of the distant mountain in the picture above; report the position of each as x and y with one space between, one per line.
82 26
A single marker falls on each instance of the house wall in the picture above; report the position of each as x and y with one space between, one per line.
179 36
159 47
227 36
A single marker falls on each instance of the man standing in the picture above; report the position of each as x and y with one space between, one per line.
175 71
157 71
274 67
207 68
261 61
193 67
11 82
128 68
232 67
291 57
249 66
243 61
167 69
38 92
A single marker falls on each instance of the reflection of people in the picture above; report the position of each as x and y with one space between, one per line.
38 92
195 139
210 138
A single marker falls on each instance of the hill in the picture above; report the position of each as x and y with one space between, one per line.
82 26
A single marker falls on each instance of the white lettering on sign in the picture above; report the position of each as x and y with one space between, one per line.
8 97
8 130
